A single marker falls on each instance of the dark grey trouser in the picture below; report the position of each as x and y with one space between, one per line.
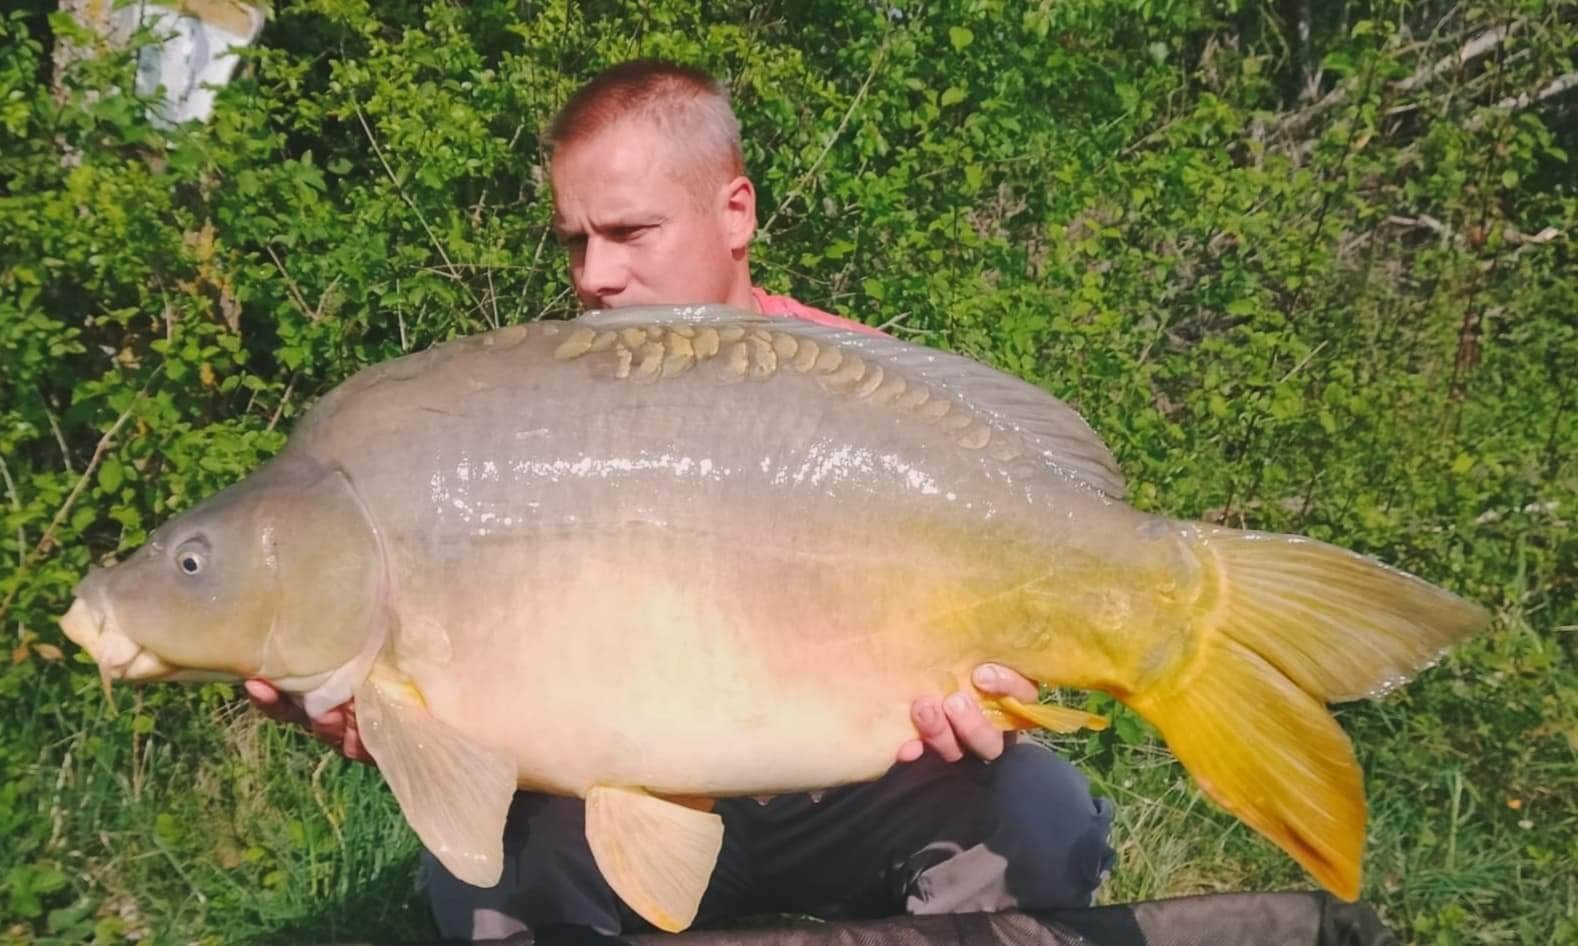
1022 832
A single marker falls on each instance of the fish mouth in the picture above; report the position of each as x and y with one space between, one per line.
118 656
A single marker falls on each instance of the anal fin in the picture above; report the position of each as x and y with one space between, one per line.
656 854
454 793
1010 713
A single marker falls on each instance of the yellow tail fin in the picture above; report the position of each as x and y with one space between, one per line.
1292 624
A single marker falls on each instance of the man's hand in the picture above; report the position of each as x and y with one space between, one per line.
956 725
336 728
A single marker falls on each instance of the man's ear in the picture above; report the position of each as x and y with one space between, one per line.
739 212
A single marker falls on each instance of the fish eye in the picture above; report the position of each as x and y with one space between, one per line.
192 557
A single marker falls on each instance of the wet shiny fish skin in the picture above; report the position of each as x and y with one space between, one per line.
702 553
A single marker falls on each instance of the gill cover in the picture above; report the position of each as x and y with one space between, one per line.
326 563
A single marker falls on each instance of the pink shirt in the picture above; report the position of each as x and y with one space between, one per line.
783 305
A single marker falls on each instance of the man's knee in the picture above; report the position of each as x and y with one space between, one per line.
1051 831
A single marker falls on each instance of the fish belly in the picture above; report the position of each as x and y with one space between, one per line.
692 666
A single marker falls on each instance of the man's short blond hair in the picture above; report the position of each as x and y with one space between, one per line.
686 106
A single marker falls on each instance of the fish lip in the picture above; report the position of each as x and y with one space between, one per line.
93 627
84 625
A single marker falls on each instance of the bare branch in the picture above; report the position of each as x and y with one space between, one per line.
1480 45
1467 53
1423 222
1555 87
1309 81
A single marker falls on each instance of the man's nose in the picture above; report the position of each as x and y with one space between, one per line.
603 270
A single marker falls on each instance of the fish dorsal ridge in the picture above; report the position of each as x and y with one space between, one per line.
1051 430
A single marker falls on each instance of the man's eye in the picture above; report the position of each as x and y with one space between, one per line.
626 234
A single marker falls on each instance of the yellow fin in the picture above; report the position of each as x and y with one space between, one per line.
1009 713
454 793
656 854
1287 625
1270 754
1340 625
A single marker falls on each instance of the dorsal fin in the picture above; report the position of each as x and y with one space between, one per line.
1055 431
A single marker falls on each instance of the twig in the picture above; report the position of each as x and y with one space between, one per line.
280 408
16 505
105 442
890 323
827 146
531 275
493 299
290 284
65 454
400 189
1300 366
552 302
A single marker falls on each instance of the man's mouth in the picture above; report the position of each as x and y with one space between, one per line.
118 656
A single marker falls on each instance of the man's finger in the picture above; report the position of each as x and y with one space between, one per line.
353 747
931 722
994 680
330 727
971 727
274 704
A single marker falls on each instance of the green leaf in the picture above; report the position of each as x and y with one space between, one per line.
68 920
952 96
1131 732
167 828
838 249
110 475
960 37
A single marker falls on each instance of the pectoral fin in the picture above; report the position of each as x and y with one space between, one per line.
657 855
1009 713
454 793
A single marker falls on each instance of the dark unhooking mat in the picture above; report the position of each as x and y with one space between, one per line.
1234 919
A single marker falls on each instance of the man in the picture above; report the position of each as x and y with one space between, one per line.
653 206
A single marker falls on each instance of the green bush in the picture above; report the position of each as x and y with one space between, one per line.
1323 286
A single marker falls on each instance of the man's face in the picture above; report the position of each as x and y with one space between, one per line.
636 233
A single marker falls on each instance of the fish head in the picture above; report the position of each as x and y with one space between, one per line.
278 576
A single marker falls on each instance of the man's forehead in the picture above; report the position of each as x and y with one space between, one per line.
631 154
624 147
